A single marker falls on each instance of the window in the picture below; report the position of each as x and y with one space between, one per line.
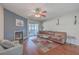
33 29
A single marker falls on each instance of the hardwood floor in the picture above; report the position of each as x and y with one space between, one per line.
29 48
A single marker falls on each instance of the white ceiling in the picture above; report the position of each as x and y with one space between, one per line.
53 9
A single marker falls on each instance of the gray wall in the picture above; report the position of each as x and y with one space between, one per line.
10 25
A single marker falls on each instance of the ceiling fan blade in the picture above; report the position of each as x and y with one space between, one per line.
44 11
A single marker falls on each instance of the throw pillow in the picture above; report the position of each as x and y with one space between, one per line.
7 44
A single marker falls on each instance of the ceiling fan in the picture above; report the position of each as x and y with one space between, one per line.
38 12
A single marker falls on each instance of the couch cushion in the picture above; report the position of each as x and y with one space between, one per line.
7 44
1 48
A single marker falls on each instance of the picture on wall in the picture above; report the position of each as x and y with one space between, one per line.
19 22
57 22
75 22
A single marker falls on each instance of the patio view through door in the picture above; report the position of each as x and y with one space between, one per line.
33 29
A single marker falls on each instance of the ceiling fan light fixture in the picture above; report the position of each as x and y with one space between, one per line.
38 12
37 15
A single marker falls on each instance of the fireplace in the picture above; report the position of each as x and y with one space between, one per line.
19 36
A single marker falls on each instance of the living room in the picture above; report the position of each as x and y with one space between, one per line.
39 28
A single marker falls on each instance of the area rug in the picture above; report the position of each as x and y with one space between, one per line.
45 45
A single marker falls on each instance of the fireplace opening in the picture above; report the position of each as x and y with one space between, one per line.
19 36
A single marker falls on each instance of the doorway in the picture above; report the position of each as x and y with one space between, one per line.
33 29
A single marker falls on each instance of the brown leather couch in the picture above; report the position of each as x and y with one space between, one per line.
59 37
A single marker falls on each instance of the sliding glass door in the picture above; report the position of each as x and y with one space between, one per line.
33 29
